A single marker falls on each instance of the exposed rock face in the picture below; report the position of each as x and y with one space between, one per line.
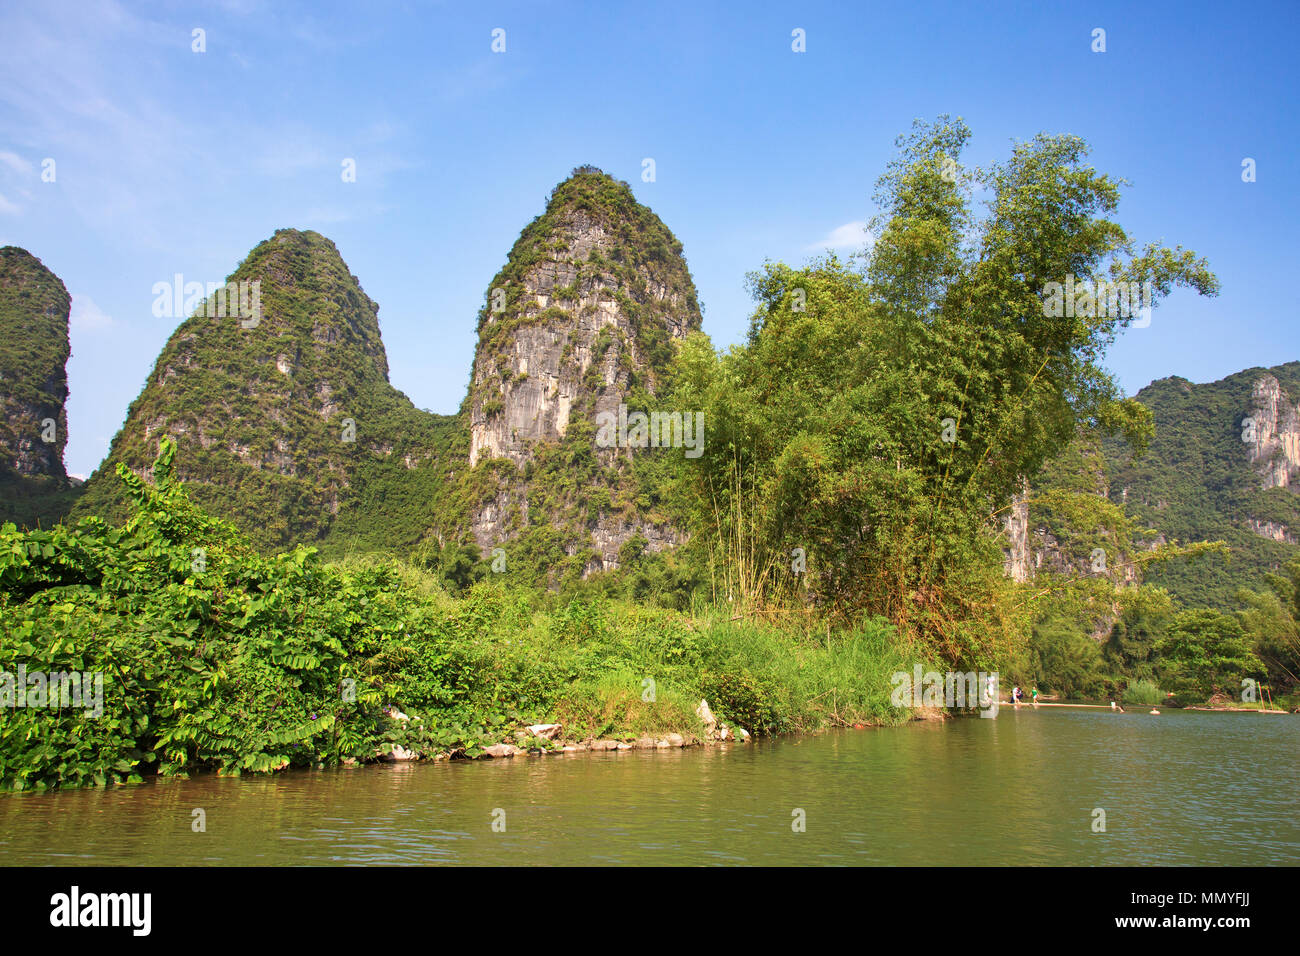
34 308
1275 452
582 320
274 413
1065 525
1040 540
1017 558
613 531
1271 530
578 316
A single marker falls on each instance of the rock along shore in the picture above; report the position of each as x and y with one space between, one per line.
547 740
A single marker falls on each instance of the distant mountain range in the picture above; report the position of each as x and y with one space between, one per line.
1224 465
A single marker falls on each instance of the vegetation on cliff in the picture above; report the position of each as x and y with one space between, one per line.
1197 483
642 250
34 350
603 275
281 417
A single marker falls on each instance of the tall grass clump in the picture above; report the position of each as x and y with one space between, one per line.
1142 692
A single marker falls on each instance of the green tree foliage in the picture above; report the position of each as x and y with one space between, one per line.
1206 652
1144 623
459 566
1271 621
1067 658
828 426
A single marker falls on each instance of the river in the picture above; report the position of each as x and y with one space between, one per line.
1024 788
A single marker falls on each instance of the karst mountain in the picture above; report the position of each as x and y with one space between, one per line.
276 391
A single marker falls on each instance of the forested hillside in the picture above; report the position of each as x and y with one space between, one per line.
1215 471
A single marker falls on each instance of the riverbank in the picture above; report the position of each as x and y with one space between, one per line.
1243 710
215 658
612 676
548 740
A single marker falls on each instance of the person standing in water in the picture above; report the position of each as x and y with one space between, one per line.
1034 694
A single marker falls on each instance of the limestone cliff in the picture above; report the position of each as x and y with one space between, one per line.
1275 451
34 308
580 321
1066 524
1224 465
34 350
1018 563
593 291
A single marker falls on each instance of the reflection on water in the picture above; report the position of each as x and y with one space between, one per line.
1020 789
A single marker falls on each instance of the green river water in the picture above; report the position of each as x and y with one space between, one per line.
1181 788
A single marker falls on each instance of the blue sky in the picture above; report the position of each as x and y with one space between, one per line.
173 161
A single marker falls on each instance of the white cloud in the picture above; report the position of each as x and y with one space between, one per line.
86 316
135 156
851 235
7 207
16 163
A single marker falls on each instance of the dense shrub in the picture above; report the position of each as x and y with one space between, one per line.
214 657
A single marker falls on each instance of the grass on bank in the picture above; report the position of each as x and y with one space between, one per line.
1143 692
616 669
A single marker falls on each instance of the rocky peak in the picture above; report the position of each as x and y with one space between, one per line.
276 392
585 310
34 350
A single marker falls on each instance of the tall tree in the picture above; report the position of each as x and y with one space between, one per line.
878 419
